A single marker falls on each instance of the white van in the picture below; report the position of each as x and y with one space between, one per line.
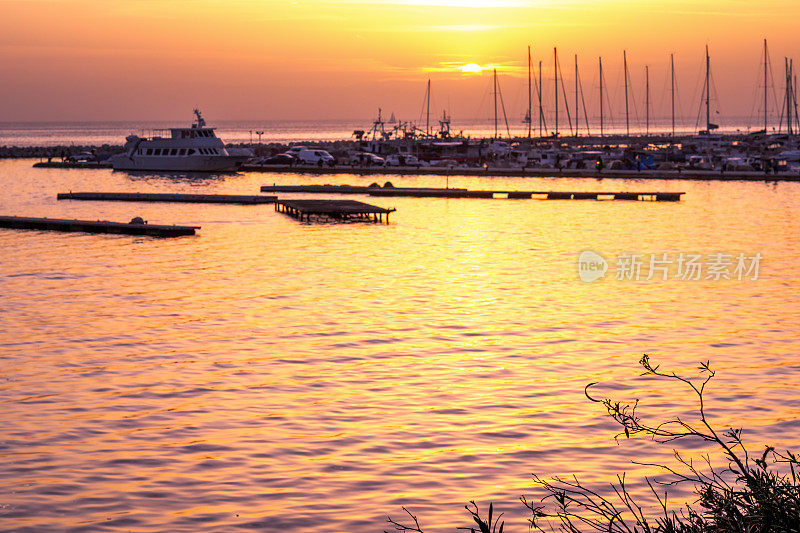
315 157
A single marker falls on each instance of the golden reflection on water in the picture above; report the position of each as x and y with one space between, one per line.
317 377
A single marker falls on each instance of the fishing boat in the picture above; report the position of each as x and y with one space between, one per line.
193 149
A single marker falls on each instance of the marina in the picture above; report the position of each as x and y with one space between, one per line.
96 226
168 197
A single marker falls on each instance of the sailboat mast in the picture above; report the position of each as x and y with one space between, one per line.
708 92
794 98
647 100
428 111
672 81
530 95
495 103
625 68
788 98
555 78
577 116
600 61
765 86
541 110
791 89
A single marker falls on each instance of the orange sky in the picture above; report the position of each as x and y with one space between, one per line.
251 59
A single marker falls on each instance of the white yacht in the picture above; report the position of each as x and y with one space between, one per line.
194 149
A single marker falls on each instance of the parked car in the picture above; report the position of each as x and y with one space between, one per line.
366 158
447 163
83 157
315 157
280 159
294 151
399 160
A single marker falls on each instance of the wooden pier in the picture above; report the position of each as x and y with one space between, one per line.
416 192
162 197
135 227
333 210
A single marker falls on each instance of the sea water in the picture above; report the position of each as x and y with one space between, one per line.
273 375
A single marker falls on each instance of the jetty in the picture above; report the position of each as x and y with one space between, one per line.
333 210
135 227
169 197
72 164
416 192
530 172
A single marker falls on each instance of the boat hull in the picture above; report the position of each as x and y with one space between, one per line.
204 163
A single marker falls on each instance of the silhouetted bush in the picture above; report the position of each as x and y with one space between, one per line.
749 495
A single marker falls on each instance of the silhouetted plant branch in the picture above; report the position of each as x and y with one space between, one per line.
745 496
404 527
759 495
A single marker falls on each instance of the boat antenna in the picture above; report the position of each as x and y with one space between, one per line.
201 123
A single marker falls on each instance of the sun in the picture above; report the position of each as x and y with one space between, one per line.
471 68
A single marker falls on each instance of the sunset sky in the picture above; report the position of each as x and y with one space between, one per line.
306 59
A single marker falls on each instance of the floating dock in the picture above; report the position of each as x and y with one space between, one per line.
417 192
70 164
529 172
96 226
333 210
161 197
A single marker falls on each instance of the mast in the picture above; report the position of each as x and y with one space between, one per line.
530 95
555 78
794 98
541 109
625 67
765 86
672 81
495 103
600 61
576 95
503 107
708 91
647 100
788 97
428 111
